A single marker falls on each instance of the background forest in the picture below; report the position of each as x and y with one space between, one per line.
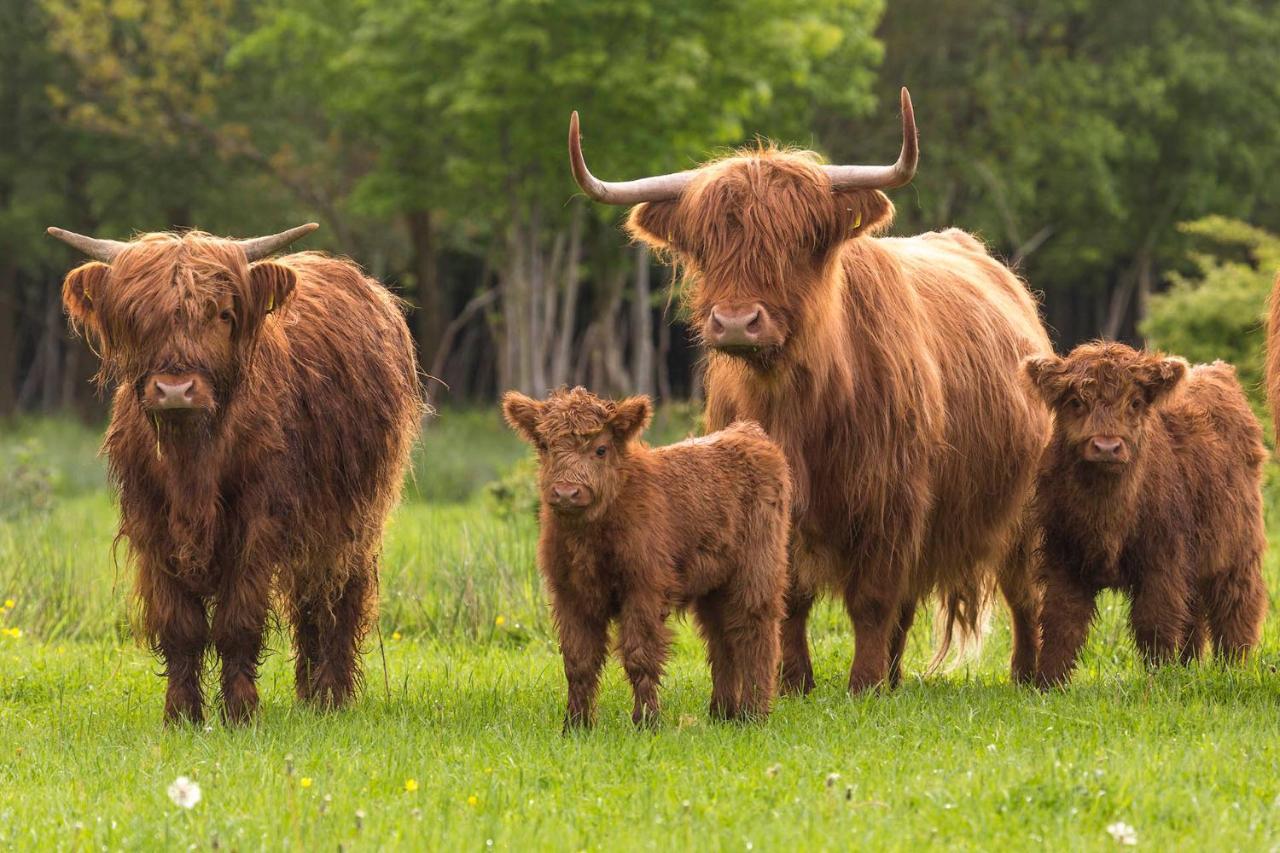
1077 137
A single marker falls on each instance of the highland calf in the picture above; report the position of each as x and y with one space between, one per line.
630 534
1151 485
887 371
261 424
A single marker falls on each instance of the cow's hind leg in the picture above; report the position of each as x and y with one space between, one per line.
726 682
328 636
898 641
797 667
1021 592
1235 603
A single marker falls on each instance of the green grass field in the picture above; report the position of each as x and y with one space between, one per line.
456 743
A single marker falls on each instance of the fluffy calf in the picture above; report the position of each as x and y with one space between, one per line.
258 438
631 533
1150 485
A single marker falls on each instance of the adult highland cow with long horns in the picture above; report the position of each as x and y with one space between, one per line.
887 369
263 418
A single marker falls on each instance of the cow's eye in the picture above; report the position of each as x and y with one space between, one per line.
226 315
1135 404
1076 405
601 451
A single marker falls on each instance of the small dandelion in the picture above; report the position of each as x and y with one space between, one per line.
9 604
500 621
184 792
396 635
832 779
473 800
305 782
1122 833
411 785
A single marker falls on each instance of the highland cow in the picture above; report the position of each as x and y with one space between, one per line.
1151 485
886 369
630 534
263 416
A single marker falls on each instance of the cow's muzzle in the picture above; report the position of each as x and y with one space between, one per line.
741 328
177 392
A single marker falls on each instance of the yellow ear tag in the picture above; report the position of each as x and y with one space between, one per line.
858 221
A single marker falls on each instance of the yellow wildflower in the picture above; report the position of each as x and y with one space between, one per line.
395 635
411 785
473 800
500 621
306 781
9 604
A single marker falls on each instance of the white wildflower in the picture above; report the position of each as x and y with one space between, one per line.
184 792
1123 833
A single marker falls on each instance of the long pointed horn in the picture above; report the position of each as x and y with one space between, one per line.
257 248
883 177
99 250
656 188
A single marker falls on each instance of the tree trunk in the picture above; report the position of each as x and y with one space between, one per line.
8 337
428 319
642 326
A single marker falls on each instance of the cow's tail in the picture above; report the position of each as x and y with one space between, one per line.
961 624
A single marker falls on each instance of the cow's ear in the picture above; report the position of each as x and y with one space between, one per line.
654 223
863 212
1043 375
630 417
81 286
270 284
522 413
1158 377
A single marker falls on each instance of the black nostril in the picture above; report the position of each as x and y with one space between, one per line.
753 325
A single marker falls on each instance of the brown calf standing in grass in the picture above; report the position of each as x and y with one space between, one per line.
631 533
1151 484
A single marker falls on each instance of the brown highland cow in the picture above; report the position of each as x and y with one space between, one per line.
887 370
630 534
1151 485
259 433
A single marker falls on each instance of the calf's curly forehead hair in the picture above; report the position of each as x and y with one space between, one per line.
572 414
160 288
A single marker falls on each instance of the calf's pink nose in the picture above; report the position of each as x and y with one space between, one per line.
176 395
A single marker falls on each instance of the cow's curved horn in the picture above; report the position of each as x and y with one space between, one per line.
257 248
655 188
883 177
99 250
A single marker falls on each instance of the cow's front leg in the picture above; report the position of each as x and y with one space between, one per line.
175 620
876 615
238 626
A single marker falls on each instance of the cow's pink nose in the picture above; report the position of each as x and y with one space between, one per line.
736 327
565 493
177 395
1105 448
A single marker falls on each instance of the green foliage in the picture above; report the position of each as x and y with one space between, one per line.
1219 311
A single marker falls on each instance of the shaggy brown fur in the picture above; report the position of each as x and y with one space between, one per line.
890 380
1151 485
631 533
305 402
1273 355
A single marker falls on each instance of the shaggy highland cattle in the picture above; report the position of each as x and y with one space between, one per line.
259 433
886 369
631 533
1152 485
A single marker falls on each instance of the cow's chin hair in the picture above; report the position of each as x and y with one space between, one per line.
759 359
